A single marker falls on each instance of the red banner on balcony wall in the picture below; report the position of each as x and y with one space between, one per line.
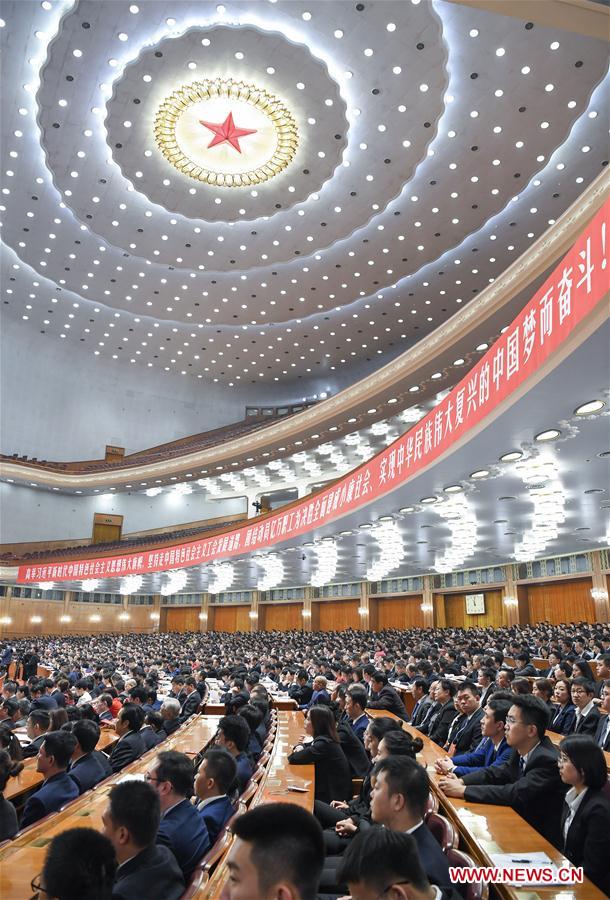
575 288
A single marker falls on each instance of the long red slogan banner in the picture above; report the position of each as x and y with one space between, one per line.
572 291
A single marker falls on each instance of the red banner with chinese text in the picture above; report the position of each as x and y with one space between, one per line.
569 295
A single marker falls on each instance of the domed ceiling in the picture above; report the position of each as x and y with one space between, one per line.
263 191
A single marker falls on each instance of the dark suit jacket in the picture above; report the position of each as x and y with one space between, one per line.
171 725
190 706
333 777
301 694
360 726
33 748
216 814
54 793
244 771
150 737
428 716
420 710
537 795
129 748
44 702
184 831
587 842
434 861
388 698
59 698
589 724
153 874
600 730
483 755
8 819
564 719
89 770
353 748
438 725
466 735
487 692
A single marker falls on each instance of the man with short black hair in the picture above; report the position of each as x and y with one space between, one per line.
529 781
57 788
602 735
233 734
40 698
278 852
80 865
301 690
420 690
465 730
192 699
130 745
10 712
384 696
384 863
37 725
182 829
146 870
355 707
493 749
88 766
587 714
215 778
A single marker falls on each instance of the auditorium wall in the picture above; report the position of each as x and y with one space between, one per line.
229 618
280 616
180 618
561 601
51 611
335 615
396 612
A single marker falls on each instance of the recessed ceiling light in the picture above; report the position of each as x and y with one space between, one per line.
480 473
428 499
512 456
453 489
406 509
366 525
592 406
548 435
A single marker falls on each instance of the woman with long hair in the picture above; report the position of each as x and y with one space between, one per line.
564 715
333 777
10 743
9 768
582 669
586 816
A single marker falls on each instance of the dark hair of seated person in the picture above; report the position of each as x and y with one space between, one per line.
400 743
41 718
134 805
521 686
380 726
358 695
176 768
586 756
59 717
286 845
10 743
379 858
260 703
87 712
87 734
221 766
133 715
323 722
405 776
80 865
74 713
252 715
534 711
155 720
9 768
60 745
236 729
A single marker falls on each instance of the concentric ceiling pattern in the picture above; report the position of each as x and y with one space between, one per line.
435 142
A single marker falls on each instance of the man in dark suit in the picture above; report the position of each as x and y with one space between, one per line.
192 700
182 828
486 681
423 701
492 750
130 745
57 788
301 690
384 696
523 666
88 766
529 781
355 708
131 821
437 726
465 730
398 801
587 714
170 712
40 698
602 735
215 776
233 734
37 725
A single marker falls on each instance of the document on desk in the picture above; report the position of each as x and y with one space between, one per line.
526 869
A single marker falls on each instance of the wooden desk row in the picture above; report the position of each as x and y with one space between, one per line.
22 858
274 787
29 779
486 829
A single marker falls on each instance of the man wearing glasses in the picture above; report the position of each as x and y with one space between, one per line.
529 780
587 714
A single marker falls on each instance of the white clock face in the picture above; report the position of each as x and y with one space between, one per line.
475 604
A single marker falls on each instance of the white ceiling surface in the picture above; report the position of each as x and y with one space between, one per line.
396 255
500 507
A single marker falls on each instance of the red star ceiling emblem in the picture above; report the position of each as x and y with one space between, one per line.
227 131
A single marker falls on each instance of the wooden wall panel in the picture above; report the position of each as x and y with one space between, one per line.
335 615
397 612
561 601
228 618
51 611
181 618
455 611
280 616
